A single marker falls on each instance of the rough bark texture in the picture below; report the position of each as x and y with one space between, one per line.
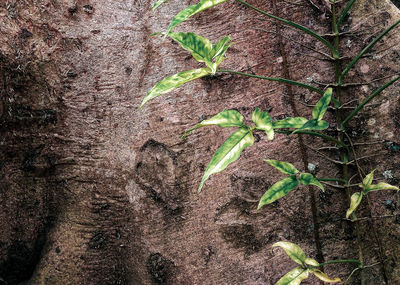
93 191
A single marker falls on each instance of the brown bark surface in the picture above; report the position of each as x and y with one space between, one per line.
93 191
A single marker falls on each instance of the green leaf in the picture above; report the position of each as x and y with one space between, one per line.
192 10
380 186
367 181
295 123
220 56
336 102
311 261
226 118
322 105
198 46
322 276
313 125
229 152
345 11
174 81
294 276
220 47
263 122
309 179
297 26
367 100
278 190
201 48
355 200
158 3
368 47
282 166
292 250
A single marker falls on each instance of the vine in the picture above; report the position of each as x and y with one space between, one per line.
212 55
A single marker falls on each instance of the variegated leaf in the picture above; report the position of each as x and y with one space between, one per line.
322 276
309 179
367 181
226 118
322 105
292 250
294 277
229 152
355 200
311 261
174 81
220 47
263 122
192 10
158 3
278 190
198 46
380 186
294 123
282 166
313 124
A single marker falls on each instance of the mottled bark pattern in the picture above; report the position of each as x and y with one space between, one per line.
93 191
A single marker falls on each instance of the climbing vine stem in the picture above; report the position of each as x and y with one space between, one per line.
282 80
295 25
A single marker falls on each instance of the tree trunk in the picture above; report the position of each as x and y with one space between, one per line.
94 191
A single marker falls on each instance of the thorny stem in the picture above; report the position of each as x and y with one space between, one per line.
344 153
282 80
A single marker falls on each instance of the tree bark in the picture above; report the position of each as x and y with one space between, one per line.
94 191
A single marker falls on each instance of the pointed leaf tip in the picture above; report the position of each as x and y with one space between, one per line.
220 47
197 45
380 186
309 179
228 153
311 261
294 276
172 82
225 118
313 124
355 200
322 276
158 3
292 250
367 181
263 122
191 11
278 190
282 166
322 105
294 123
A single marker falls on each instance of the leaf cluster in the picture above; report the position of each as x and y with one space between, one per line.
367 187
231 149
284 186
307 265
